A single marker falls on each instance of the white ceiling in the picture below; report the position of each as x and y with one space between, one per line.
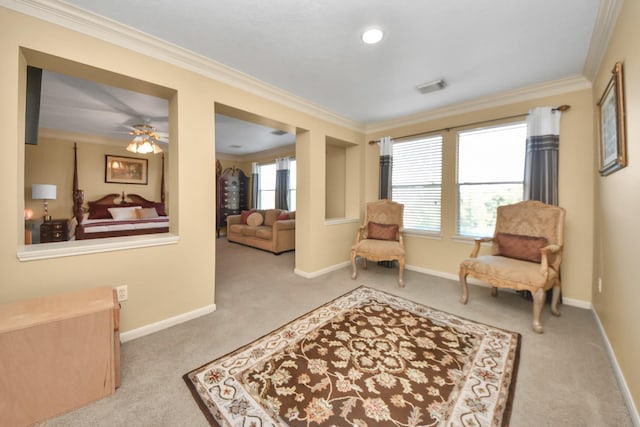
312 49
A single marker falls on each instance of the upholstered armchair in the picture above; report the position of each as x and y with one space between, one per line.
526 253
380 237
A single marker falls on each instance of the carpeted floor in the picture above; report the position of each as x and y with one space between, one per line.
564 376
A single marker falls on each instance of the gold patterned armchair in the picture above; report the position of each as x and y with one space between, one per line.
380 238
526 254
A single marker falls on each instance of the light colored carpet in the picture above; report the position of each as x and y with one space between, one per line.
564 379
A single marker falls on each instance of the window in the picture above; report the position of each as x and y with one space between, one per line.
267 185
490 174
417 182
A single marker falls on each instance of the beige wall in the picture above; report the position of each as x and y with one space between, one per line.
443 253
618 209
335 181
157 289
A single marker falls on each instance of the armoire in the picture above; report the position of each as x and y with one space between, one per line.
233 194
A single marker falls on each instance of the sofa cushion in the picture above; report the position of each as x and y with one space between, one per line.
381 231
271 216
244 215
255 219
248 230
283 216
526 248
520 274
264 233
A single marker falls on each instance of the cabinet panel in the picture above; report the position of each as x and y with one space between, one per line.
58 353
233 195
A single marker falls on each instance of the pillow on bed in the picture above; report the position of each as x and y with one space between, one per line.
101 210
98 211
146 213
159 207
122 214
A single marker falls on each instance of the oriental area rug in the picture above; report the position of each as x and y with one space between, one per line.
367 358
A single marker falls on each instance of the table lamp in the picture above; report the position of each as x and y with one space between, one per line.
44 192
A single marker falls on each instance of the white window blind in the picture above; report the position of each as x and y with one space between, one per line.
490 173
417 182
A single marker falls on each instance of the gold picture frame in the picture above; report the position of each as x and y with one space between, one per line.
125 170
611 118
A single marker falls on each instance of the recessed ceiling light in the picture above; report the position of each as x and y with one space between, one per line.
372 36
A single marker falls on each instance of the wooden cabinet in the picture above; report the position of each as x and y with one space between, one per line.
233 195
53 231
57 353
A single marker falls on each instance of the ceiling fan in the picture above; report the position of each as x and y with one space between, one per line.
145 139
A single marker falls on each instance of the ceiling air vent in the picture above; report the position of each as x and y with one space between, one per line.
431 86
278 132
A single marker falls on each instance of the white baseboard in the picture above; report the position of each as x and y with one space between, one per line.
322 272
624 389
166 323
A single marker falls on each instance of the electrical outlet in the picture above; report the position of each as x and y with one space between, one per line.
123 293
600 284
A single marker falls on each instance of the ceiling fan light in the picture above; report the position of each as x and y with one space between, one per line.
157 149
132 147
145 148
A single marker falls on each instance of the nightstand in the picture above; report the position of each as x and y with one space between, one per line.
53 231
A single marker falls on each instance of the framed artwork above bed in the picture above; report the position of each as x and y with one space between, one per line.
125 170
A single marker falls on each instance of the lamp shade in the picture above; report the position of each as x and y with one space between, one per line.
43 191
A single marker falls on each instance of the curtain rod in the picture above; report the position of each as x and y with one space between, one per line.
564 107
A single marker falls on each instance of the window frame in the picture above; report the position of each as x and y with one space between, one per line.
519 125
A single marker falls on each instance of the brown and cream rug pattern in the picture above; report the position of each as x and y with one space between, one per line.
367 358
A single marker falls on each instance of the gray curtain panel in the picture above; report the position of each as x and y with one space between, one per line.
282 183
386 163
541 160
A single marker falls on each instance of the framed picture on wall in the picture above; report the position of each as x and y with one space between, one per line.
613 147
125 170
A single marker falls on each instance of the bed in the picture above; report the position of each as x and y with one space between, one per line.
116 215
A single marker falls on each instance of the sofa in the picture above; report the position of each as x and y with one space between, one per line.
271 230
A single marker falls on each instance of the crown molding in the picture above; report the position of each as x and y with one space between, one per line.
85 22
556 87
602 32
74 18
273 152
88 138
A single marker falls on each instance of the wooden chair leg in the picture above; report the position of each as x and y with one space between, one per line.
354 273
494 291
401 273
539 297
463 283
554 299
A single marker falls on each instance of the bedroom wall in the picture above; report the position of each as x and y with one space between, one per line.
51 162
442 254
618 209
157 289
